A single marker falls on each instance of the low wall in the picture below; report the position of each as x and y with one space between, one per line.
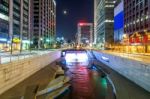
138 72
15 72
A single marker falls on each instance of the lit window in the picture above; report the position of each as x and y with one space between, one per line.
109 20
4 17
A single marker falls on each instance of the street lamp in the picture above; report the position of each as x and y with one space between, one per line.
41 39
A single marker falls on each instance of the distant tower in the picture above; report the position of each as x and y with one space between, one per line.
85 33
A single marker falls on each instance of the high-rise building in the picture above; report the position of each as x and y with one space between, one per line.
4 23
85 34
104 22
137 23
14 24
44 23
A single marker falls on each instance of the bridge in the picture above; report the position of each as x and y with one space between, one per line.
75 74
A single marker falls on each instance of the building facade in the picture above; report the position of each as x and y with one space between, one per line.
104 22
85 34
137 24
14 24
4 23
44 23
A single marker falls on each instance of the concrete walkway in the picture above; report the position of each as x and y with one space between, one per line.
138 57
125 88
6 57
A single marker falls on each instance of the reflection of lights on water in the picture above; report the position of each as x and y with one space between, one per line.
104 86
76 57
104 82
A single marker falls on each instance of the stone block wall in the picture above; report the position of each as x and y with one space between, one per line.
136 71
15 72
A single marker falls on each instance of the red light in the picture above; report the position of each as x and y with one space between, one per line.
81 24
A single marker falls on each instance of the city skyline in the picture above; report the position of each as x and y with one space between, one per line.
74 49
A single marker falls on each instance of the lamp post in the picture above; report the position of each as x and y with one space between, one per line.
11 49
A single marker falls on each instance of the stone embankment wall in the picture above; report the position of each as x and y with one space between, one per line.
15 72
136 71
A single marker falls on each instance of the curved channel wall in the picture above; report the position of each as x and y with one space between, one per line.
136 71
17 71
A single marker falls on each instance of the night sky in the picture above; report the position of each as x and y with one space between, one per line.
77 10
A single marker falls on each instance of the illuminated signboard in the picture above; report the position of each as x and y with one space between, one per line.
4 17
16 40
119 17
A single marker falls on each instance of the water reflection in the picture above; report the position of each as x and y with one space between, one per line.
86 83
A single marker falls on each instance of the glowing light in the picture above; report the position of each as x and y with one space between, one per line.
76 57
3 39
26 41
104 83
47 40
16 40
70 57
82 57
64 12
4 17
105 59
41 39
81 24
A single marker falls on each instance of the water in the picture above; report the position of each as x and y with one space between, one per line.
85 83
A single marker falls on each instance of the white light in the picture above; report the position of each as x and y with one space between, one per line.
4 17
109 6
26 41
105 58
3 39
109 21
70 57
137 20
147 17
65 12
76 57
82 57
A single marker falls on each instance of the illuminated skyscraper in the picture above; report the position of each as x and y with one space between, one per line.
104 22
44 23
137 24
85 34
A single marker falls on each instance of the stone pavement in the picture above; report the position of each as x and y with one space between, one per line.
125 89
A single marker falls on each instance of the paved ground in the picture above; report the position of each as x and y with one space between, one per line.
145 57
6 57
125 88
38 81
